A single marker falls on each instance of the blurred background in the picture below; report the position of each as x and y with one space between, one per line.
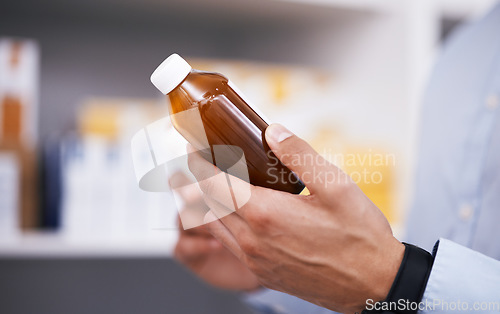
77 235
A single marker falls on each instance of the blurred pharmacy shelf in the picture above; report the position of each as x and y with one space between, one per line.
376 53
53 244
220 8
265 10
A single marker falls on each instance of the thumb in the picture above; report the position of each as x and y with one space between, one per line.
297 155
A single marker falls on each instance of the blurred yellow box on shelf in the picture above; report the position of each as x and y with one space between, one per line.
115 118
371 167
373 172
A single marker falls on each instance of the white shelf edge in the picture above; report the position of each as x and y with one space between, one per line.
464 9
53 245
362 5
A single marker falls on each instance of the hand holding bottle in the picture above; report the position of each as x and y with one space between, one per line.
204 255
333 248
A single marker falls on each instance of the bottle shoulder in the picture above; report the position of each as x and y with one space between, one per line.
197 75
199 85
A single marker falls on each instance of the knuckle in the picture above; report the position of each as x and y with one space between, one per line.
257 268
302 156
250 247
302 150
258 218
253 266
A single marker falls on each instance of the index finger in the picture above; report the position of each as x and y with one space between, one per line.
229 190
183 186
201 231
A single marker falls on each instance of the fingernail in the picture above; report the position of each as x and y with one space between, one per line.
277 133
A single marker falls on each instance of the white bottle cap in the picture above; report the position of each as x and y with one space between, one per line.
170 73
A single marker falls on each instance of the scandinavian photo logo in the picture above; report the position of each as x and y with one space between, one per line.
161 164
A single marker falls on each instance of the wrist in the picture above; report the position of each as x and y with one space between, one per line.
409 283
389 267
381 272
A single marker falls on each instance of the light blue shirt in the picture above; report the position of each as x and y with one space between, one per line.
458 180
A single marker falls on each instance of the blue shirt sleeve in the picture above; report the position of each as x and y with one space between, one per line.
266 301
461 280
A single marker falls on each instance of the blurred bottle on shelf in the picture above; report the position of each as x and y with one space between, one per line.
100 198
19 63
9 194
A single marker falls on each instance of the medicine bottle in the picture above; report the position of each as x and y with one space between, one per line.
226 119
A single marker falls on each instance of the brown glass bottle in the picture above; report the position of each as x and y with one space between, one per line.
228 120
